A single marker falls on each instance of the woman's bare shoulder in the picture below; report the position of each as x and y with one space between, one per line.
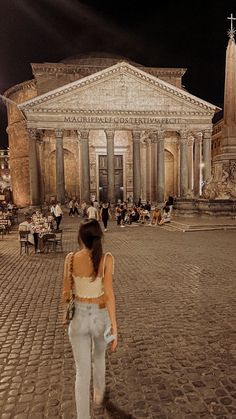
109 260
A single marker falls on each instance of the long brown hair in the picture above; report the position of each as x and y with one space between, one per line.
90 234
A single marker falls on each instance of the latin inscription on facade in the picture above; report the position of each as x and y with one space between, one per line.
119 120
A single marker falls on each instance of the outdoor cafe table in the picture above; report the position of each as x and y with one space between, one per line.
6 223
41 233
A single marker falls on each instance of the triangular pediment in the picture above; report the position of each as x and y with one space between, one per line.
121 87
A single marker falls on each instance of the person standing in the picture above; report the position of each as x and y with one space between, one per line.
71 208
58 214
105 214
118 214
95 313
76 208
92 212
84 209
96 204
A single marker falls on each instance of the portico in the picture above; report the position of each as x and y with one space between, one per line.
155 138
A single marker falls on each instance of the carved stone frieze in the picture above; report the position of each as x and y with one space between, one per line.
223 187
232 171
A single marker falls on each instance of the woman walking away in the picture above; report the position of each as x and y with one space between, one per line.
89 332
105 214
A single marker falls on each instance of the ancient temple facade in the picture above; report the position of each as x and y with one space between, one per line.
105 128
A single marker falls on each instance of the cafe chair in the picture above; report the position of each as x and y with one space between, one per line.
2 231
24 244
58 240
49 243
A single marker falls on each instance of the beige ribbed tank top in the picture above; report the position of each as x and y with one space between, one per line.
87 287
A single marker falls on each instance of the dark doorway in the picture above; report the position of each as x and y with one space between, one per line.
118 162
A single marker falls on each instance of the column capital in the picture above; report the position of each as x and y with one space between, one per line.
33 133
136 135
183 136
110 133
197 136
156 136
58 133
39 138
153 137
161 135
207 133
83 134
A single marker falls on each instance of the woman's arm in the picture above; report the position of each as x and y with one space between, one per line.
110 297
67 279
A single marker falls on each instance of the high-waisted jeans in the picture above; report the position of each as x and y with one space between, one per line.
86 334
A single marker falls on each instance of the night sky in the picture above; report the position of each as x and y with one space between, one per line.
190 34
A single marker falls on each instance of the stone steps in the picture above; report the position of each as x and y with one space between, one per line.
178 226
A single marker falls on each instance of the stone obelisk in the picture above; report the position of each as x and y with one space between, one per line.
225 163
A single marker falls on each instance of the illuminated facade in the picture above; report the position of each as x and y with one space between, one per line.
5 176
101 127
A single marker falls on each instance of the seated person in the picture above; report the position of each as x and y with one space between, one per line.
144 215
170 203
156 217
134 215
123 214
148 206
128 217
165 216
27 226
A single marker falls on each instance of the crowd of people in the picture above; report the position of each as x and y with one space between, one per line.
124 213
40 224
8 216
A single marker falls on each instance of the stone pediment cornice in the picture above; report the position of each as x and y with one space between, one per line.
119 69
101 112
29 84
54 68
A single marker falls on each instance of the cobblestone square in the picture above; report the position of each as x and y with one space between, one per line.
176 357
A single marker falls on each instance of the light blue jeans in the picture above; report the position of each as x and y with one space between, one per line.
86 334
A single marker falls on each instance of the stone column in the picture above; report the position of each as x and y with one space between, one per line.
110 166
153 153
183 163
148 168
143 157
197 162
206 144
161 167
60 176
33 168
39 149
136 166
190 164
85 168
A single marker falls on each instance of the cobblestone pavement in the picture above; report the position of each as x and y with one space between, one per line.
176 310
